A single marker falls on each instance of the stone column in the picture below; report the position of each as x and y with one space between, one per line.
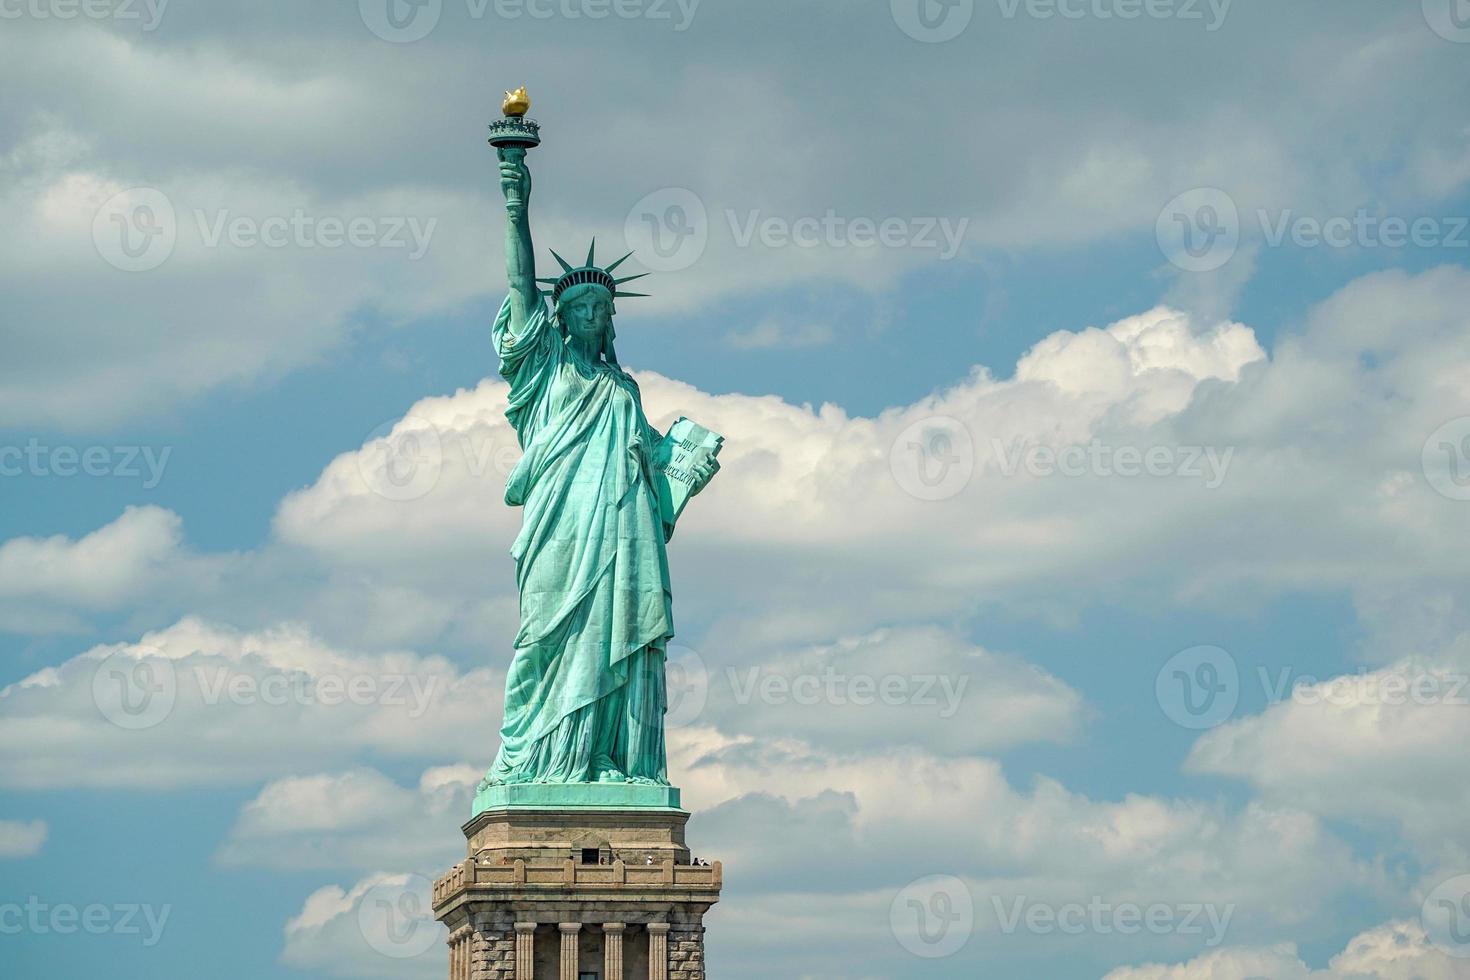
612 950
569 950
658 951
686 951
525 951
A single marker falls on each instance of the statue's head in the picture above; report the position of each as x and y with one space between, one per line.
583 298
586 313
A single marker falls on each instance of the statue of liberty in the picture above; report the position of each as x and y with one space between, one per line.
585 694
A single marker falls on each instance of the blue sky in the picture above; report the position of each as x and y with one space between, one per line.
1314 830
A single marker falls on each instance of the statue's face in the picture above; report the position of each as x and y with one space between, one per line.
588 317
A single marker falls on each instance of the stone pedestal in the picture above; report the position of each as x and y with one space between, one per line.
577 893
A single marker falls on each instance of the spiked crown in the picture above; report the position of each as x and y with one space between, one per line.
588 272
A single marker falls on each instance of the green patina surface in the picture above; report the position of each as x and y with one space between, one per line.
577 796
585 695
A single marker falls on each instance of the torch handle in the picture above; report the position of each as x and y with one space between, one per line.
516 155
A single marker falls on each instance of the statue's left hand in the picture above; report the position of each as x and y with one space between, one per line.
704 472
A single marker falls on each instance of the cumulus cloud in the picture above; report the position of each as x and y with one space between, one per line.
1186 435
919 687
221 115
776 532
48 583
359 820
22 839
382 926
1378 747
910 815
1393 951
201 704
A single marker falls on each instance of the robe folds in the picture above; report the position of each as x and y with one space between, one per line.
585 694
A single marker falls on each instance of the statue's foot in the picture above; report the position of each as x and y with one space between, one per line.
611 776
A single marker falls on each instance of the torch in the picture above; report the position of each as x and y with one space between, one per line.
513 135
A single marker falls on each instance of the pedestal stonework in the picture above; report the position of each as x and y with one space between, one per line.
577 894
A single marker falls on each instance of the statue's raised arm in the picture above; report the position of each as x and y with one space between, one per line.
520 257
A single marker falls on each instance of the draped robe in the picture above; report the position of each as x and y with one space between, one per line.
585 693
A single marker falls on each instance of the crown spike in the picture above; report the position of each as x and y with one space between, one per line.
620 294
591 254
618 262
618 282
565 265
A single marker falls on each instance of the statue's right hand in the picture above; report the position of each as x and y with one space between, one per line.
515 179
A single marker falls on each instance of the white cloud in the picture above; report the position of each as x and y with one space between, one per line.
22 839
919 687
382 926
1378 747
46 582
199 704
99 110
816 528
910 814
775 334
359 820
1392 951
